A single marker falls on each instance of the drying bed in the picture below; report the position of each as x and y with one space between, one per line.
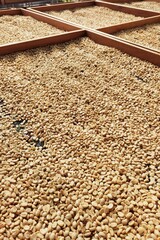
94 17
150 5
16 28
79 144
148 35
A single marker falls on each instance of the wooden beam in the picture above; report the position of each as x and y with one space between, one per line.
41 42
120 1
152 0
48 19
136 44
129 25
64 6
131 10
75 25
131 49
11 12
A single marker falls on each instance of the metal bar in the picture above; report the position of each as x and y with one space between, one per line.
129 25
63 6
131 10
41 42
131 49
47 19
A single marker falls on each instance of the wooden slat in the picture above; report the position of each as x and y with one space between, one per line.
131 49
11 12
152 0
48 19
129 25
120 1
41 42
136 44
63 6
131 10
